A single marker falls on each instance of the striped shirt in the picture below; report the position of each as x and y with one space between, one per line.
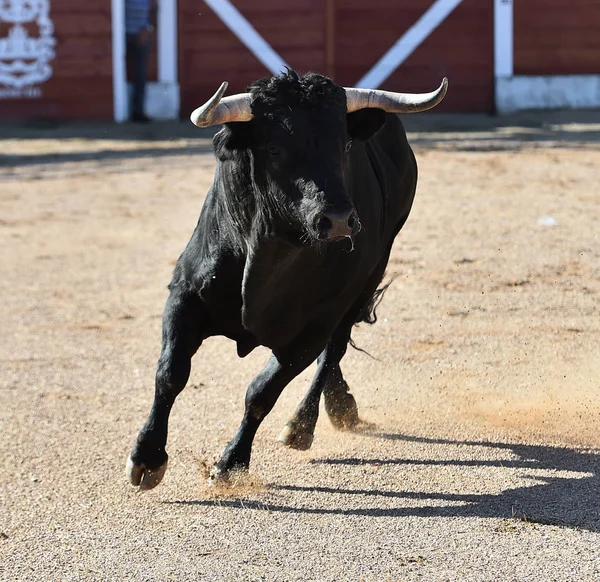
137 13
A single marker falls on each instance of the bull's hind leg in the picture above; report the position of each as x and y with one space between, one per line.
261 396
340 405
182 325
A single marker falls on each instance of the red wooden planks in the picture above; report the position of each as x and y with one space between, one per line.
556 37
81 82
462 47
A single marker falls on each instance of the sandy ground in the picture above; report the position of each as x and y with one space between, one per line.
478 458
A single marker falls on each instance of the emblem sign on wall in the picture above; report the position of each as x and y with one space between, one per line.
26 47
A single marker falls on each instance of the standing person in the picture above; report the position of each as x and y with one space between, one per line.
140 22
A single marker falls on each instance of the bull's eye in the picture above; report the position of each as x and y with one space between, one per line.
274 150
348 146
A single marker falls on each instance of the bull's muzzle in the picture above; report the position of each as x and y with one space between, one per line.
337 224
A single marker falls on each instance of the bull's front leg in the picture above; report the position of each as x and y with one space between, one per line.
261 396
182 335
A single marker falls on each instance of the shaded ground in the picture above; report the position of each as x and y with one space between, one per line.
479 457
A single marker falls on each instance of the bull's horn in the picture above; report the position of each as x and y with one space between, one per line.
394 102
217 110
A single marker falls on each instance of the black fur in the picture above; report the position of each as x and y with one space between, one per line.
257 269
289 90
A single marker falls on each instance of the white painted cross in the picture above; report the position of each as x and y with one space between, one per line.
395 56
408 43
235 21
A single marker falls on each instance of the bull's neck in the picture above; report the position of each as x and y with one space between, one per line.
235 201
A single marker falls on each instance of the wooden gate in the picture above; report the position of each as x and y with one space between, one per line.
344 39
210 53
460 48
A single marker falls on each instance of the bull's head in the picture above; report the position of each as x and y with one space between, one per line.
297 132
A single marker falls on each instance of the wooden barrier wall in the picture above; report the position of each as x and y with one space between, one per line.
81 81
461 48
209 53
556 37
341 38
344 39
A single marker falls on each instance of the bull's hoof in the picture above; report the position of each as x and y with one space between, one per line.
140 475
342 411
301 440
219 477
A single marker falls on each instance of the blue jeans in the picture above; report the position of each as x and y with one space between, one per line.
138 52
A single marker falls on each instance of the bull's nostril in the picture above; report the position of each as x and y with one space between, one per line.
334 224
324 224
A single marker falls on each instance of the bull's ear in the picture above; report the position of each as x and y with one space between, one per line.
365 123
231 138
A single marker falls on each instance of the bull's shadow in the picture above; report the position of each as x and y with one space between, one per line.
561 501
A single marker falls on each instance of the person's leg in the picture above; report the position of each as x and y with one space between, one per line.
140 69
131 49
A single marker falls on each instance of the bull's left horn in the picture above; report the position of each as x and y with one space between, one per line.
219 110
394 102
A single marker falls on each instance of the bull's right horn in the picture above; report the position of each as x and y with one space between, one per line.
394 102
219 110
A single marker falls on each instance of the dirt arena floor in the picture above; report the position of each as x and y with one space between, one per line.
478 458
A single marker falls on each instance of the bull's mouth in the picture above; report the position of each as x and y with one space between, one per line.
336 238
341 242
305 239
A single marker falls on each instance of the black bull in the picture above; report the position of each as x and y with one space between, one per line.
290 248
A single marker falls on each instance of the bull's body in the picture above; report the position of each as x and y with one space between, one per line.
279 258
268 291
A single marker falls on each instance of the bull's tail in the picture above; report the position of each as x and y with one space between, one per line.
368 314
